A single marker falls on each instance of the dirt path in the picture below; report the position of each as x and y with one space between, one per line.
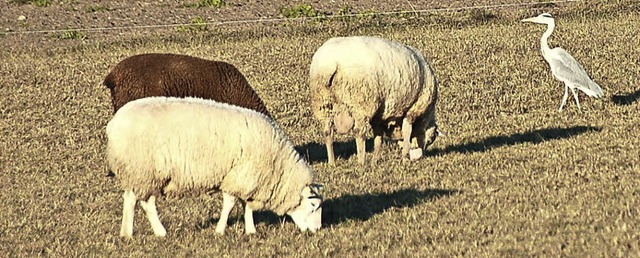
94 14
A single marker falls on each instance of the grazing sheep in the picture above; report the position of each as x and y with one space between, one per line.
171 75
356 81
177 145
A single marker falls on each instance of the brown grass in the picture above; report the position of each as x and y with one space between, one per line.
513 176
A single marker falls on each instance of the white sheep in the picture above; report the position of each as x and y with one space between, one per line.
173 145
360 81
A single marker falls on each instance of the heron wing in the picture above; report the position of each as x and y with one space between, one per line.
567 69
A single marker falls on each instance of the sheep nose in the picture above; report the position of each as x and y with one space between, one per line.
314 228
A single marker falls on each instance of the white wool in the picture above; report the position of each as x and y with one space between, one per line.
377 82
392 71
173 144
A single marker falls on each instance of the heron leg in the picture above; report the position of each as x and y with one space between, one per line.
564 98
575 96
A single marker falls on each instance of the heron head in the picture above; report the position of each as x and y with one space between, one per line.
544 18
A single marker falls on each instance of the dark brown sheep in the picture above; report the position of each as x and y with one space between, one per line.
171 75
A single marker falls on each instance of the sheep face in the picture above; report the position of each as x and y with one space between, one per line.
308 215
394 129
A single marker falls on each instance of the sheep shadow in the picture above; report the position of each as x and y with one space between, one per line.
315 152
626 99
535 137
350 207
363 207
262 216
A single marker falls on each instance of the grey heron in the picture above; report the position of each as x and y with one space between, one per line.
563 66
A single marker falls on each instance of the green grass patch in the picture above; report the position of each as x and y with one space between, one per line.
71 35
39 3
300 10
208 3
197 24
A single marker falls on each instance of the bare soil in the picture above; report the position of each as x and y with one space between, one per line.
113 19
513 177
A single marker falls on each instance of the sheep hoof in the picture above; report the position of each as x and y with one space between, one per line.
415 154
161 233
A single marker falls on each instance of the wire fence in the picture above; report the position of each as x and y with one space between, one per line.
277 20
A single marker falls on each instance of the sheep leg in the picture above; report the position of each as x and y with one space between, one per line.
328 140
360 130
378 133
149 208
564 98
249 226
406 136
361 147
128 208
575 96
228 201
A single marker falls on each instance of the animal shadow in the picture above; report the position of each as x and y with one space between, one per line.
363 207
315 152
626 99
263 216
348 207
535 136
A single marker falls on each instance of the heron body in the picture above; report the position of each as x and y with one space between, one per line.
563 66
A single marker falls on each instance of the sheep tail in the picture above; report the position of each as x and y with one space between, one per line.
109 81
322 75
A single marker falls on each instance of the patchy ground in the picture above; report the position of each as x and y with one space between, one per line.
104 14
513 177
114 19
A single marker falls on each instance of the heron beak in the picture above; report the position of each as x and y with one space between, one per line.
527 20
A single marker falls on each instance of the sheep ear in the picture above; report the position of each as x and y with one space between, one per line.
316 189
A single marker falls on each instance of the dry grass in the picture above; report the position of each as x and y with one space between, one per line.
513 177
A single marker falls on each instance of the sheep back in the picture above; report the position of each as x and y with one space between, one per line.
172 75
158 144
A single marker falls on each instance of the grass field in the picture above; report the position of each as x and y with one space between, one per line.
512 177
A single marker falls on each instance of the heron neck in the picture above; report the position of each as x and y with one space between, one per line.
544 41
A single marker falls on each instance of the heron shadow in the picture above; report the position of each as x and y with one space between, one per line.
626 99
535 137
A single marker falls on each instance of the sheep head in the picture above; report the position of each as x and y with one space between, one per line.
308 215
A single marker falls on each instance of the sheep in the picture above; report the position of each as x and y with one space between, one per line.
173 146
172 75
358 80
